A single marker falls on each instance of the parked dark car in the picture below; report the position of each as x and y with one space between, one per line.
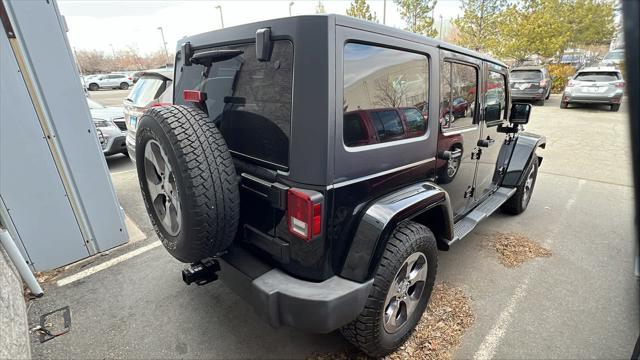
153 88
531 83
319 197
595 85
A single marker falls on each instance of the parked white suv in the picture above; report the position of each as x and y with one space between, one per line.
110 81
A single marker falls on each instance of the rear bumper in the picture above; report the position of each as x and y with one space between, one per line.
281 299
535 96
592 100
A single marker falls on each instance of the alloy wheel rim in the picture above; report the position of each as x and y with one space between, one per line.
528 187
452 167
405 292
163 190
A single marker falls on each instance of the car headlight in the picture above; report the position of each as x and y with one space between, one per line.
101 123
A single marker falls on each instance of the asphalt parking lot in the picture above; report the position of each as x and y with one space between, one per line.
582 302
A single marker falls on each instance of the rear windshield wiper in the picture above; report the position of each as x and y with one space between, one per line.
206 58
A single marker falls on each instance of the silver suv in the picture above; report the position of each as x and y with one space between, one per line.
110 81
594 85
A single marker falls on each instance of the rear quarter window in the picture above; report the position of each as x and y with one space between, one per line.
146 90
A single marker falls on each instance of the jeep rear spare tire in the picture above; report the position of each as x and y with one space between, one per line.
188 181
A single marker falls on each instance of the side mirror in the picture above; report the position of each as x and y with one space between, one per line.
520 113
492 112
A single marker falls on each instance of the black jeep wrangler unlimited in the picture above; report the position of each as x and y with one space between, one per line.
318 164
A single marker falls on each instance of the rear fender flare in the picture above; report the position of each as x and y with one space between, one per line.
382 217
523 152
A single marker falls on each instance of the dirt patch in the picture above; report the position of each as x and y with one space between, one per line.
47 276
440 330
438 333
514 249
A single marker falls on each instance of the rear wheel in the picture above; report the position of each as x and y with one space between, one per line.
564 104
401 289
548 95
94 87
188 181
124 86
540 102
615 107
518 203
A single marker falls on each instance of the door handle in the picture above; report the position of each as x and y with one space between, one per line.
486 142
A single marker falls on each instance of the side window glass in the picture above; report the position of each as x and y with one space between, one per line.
459 90
380 85
496 95
416 123
388 125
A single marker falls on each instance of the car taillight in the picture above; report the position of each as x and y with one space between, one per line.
620 84
571 83
543 83
304 213
194 96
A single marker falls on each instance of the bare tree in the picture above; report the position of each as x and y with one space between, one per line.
390 92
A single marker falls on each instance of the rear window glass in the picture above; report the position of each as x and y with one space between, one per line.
597 76
250 100
146 90
526 74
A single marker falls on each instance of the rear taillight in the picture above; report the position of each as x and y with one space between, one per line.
571 83
620 84
130 78
193 96
304 213
543 83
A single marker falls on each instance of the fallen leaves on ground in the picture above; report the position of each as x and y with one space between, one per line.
46 276
514 249
438 333
440 330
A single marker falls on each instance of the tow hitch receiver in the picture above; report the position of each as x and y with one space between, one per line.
202 272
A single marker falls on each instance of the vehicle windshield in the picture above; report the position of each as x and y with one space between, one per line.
600 76
615 55
94 105
147 89
526 75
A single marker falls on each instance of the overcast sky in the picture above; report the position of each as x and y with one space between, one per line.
98 24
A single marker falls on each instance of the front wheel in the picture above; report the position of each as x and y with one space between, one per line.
518 203
401 289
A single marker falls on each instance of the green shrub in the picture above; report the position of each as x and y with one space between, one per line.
559 74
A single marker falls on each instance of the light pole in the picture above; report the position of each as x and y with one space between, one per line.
164 44
384 12
113 51
440 27
290 5
219 7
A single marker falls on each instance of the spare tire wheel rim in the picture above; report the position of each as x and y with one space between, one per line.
405 292
163 190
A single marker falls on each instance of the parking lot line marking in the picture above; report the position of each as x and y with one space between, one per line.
107 264
487 349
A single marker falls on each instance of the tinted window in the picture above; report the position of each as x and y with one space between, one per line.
615 55
378 82
250 99
415 121
597 76
526 74
146 90
354 132
388 124
458 95
496 94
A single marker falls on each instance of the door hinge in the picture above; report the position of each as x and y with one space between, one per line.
476 154
469 192
502 170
